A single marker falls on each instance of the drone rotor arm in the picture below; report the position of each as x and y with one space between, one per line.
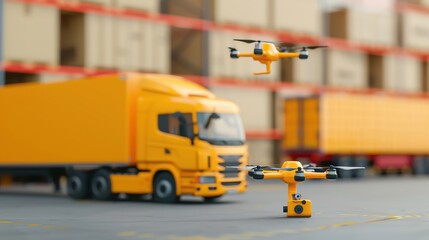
272 175
315 175
248 54
288 54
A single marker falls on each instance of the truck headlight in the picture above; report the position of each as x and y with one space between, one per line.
206 179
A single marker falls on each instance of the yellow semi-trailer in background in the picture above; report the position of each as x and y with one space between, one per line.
125 133
388 132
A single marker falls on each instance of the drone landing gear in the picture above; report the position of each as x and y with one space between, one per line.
298 208
268 67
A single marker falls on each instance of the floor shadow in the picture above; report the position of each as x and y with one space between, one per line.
10 193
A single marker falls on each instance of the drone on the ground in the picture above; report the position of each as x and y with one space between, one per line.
293 173
266 52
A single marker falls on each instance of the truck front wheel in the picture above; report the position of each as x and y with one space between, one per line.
164 188
78 185
101 187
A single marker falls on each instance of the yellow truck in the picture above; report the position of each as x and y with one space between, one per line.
389 132
123 133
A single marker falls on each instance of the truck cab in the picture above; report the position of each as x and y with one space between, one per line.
185 140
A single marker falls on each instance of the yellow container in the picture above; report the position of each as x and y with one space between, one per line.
335 123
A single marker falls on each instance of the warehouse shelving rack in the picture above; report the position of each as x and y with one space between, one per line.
204 25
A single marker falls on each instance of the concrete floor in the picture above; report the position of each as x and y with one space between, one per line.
374 208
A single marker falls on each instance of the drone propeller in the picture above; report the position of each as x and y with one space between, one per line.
303 48
284 169
282 48
334 167
251 167
308 165
247 40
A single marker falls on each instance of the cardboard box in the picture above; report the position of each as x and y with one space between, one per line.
419 2
347 69
255 105
414 30
359 25
103 42
128 45
186 51
30 33
303 16
309 71
243 12
189 8
142 46
87 40
403 74
156 47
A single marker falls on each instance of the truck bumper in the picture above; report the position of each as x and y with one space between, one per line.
221 187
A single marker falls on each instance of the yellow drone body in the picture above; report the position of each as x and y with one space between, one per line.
294 173
266 52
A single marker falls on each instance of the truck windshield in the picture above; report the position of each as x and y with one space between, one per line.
224 129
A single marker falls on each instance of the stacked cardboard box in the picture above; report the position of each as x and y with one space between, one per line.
414 30
360 25
97 41
403 74
303 16
347 69
309 71
242 12
30 33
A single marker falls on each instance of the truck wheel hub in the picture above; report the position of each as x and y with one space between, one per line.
164 188
100 185
75 183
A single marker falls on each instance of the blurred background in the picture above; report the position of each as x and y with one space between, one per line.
362 101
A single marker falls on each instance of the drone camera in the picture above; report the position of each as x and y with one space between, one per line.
296 196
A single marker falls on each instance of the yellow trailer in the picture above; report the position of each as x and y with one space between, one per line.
392 132
124 133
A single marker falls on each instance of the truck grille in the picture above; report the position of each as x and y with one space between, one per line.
230 183
230 161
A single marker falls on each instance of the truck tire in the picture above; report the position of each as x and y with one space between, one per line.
101 186
78 185
164 188
419 165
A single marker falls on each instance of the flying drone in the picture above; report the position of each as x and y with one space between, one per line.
266 52
293 173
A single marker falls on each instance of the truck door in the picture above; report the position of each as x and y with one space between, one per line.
171 141
301 124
